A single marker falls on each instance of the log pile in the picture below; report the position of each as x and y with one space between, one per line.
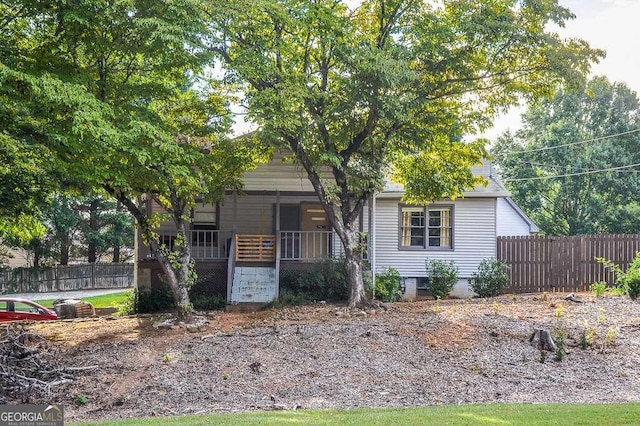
30 369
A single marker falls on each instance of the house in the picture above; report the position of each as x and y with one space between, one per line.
241 246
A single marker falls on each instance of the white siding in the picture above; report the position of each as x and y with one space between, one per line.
474 238
509 222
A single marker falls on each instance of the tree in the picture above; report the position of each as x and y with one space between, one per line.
568 167
103 85
388 89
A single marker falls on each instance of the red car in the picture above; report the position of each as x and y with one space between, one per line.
12 309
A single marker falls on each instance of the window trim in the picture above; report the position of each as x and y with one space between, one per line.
204 226
425 246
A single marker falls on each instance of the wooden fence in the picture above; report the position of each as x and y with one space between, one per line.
65 278
566 264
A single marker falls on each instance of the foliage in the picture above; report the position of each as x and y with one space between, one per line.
628 281
145 300
202 296
359 92
599 288
491 278
550 144
388 285
631 279
587 336
560 335
107 91
81 399
77 227
443 275
326 281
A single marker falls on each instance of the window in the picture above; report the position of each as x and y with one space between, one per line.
413 226
428 227
204 226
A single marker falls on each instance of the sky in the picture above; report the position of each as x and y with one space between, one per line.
611 25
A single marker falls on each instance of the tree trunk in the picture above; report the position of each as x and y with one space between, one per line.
177 270
178 276
116 239
353 265
93 228
541 339
65 246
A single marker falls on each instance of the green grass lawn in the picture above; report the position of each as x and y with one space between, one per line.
491 414
104 301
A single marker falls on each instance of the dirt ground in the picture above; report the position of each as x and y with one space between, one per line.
322 356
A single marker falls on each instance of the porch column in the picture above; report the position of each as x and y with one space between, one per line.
277 243
372 241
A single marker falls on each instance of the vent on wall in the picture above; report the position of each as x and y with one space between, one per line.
422 283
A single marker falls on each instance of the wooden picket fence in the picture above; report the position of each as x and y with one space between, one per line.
67 278
564 264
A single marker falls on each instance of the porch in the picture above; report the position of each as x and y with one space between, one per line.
247 266
253 237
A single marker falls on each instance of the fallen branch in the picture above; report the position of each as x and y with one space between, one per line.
29 367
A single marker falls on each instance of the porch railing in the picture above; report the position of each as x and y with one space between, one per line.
309 245
292 245
205 245
255 248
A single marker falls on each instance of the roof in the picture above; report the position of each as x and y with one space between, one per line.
493 189
533 228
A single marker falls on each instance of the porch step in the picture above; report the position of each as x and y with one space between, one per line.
254 284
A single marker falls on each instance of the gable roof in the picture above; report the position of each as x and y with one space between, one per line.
493 189
533 228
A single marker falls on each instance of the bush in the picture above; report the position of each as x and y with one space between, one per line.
206 296
630 280
388 285
491 279
325 281
443 275
599 288
145 300
208 302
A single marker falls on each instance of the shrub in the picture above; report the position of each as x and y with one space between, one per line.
388 285
491 279
208 302
204 295
628 281
442 277
599 288
560 335
325 281
146 300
